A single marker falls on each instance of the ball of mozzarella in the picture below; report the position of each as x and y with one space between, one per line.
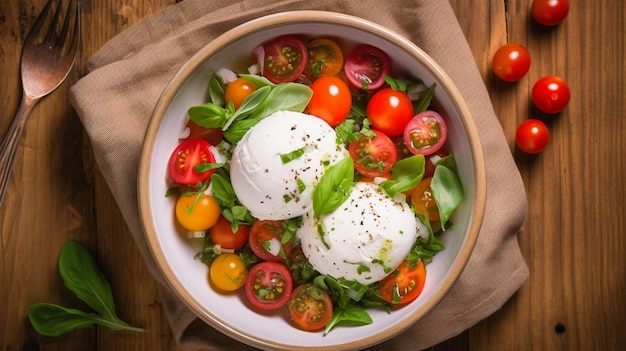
271 188
364 239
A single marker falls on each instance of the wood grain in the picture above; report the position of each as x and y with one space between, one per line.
573 238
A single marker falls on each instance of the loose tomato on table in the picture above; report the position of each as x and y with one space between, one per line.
389 110
222 234
237 90
549 12
405 283
511 62
373 156
188 155
310 307
426 133
331 100
532 136
266 238
551 94
423 199
366 67
269 285
325 58
285 59
197 212
228 272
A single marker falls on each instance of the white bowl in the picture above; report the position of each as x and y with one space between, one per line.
174 254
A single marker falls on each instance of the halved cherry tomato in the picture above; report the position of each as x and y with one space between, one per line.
228 272
551 94
331 100
426 133
269 285
549 12
310 307
212 135
266 234
511 62
423 199
325 58
222 234
366 67
373 157
197 212
404 284
237 90
532 136
390 110
186 156
285 59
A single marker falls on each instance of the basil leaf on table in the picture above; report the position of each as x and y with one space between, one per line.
447 191
334 187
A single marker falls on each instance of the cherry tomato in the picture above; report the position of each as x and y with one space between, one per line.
222 234
310 307
532 136
551 94
366 67
390 110
404 284
331 100
212 135
197 212
228 272
325 58
549 12
285 59
269 285
263 235
511 62
426 133
237 90
186 156
373 157
423 199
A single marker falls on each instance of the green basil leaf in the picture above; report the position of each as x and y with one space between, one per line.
249 104
352 314
82 276
447 191
406 174
285 97
293 155
208 115
223 191
216 89
239 128
257 81
52 320
421 104
334 187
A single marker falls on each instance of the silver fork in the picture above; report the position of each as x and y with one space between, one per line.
47 58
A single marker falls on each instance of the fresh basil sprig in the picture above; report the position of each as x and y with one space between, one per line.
406 173
334 187
447 191
226 198
284 97
82 276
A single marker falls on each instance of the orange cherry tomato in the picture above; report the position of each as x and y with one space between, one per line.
197 212
237 91
404 284
424 201
325 58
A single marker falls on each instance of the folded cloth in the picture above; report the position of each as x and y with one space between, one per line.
127 75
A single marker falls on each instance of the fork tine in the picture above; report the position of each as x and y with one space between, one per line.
52 36
66 26
34 32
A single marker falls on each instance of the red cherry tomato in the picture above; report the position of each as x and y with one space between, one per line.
285 59
390 110
373 157
331 100
426 133
404 284
511 62
310 307
325 58
269 285
212 135
549 12
222 234
551 94
186 157
532 136
366 67
264 234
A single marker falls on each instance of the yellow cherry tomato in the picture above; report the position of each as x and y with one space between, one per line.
238 90
197 212
228 272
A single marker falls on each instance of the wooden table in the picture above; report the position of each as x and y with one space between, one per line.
573 238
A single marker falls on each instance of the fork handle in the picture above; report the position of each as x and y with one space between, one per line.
11 141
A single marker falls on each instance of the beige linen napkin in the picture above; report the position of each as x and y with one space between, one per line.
116 98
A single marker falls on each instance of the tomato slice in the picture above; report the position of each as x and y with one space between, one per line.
188 155
366 67
269 285
331 100
325 58
405 283
373 157
265 236
222 234
426 133
424 201
310 307
285 59
390 111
